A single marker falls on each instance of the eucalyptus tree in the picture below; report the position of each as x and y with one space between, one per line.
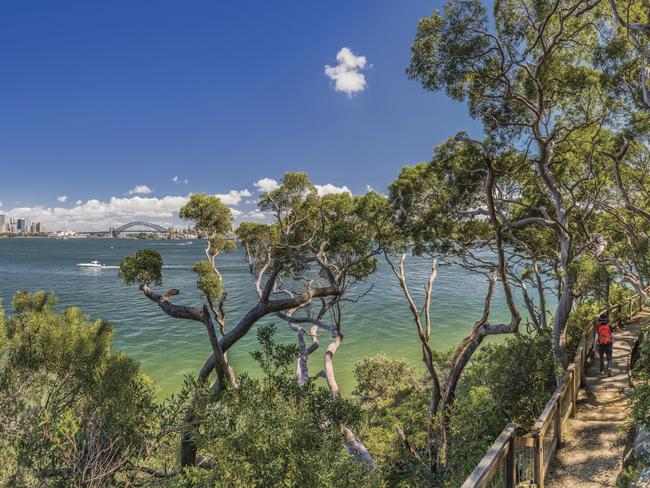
530 73
434 208
627 212
317 251
329 240
625 61
214 220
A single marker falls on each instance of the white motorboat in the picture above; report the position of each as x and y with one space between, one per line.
91 265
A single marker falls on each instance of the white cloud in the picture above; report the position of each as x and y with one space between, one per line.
346 75
249 202
256 215
175 179
266 184
178 180
329 188
62 198
233 197
100 215
140 190
78 202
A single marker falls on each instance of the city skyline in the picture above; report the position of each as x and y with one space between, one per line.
158 103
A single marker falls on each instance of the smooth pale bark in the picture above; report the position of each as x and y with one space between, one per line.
262 309
302 370
352 442
329 364
357 448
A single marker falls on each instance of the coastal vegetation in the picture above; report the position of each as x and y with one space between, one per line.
550 206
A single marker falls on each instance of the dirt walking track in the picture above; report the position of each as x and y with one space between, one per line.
594 440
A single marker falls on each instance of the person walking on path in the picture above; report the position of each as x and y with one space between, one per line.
604 341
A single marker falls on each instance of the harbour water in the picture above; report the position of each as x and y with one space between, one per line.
169 348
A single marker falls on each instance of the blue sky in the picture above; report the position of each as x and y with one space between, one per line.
97 99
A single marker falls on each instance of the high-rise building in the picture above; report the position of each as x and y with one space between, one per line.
3 223
36 228
21 226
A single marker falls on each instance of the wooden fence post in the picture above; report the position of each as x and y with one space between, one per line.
558 422
538 460
629 309
511 462
573 392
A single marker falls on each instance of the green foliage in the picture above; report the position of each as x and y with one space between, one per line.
258 239
431 201
143 268
207 281
627 476
506 382
72 411
380 378
274 359
3 332
40 301
295 190
391 395
445 48
581 316
348 228
640 401
272 432
590 278
208 213
640 396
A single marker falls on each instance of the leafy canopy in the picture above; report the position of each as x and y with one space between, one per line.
143 268
207 281
208 213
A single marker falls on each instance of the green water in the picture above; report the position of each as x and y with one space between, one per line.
169 348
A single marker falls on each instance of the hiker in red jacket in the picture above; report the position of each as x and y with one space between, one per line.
604 340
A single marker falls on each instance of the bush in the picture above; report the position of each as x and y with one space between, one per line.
640 396
272 432
581 316
70 408
506 382
380 378
391 394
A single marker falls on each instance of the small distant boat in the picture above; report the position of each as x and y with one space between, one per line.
91 265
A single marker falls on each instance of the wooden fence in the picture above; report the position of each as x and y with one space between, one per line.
522 459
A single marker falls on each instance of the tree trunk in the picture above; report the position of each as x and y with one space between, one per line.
560 320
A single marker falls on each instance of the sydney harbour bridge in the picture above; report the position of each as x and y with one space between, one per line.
139 227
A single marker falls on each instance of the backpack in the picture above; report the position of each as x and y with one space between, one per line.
604 334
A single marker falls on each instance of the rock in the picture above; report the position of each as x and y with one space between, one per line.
642 446
644 479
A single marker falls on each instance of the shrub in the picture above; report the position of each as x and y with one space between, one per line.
272 432
70 408
391 394
506 382
380 378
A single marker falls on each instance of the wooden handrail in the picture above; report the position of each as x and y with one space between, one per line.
503 448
